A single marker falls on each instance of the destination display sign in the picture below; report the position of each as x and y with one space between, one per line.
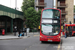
46 21
49 21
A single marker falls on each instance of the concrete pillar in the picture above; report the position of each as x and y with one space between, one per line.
56 4
11 25
70 11
22 24
5 26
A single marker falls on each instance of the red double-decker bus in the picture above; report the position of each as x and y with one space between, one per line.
50 25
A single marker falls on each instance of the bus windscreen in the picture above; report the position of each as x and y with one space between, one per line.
51 13
48 29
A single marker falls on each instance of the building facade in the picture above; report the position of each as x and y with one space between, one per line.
67 10
9 18
41 4
66 7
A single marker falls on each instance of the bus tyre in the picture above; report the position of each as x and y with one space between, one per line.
42 41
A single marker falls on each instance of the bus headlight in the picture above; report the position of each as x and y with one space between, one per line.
58 37
40 36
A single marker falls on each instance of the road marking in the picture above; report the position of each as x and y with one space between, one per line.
30 47
26 49
58 47
36 35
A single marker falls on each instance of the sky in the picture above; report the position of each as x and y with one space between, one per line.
11 3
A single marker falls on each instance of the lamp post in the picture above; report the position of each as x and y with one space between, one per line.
10 3
15 4
52 3
15 10
15 17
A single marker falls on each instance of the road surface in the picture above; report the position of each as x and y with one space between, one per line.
31 43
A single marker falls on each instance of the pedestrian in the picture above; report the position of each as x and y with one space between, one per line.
70 29
65 32
15 30
19 32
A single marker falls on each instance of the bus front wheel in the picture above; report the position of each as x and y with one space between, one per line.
42 41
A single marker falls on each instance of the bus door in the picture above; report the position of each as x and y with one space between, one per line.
73 31
69 31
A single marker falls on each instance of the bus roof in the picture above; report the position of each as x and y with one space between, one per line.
69 24
50 8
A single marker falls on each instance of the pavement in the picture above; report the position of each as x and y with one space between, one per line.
68 43
11 36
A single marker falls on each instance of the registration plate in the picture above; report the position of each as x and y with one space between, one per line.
49 40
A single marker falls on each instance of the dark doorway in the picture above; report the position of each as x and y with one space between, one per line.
5 23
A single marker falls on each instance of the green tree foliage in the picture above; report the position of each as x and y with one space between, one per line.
32 17
27 4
